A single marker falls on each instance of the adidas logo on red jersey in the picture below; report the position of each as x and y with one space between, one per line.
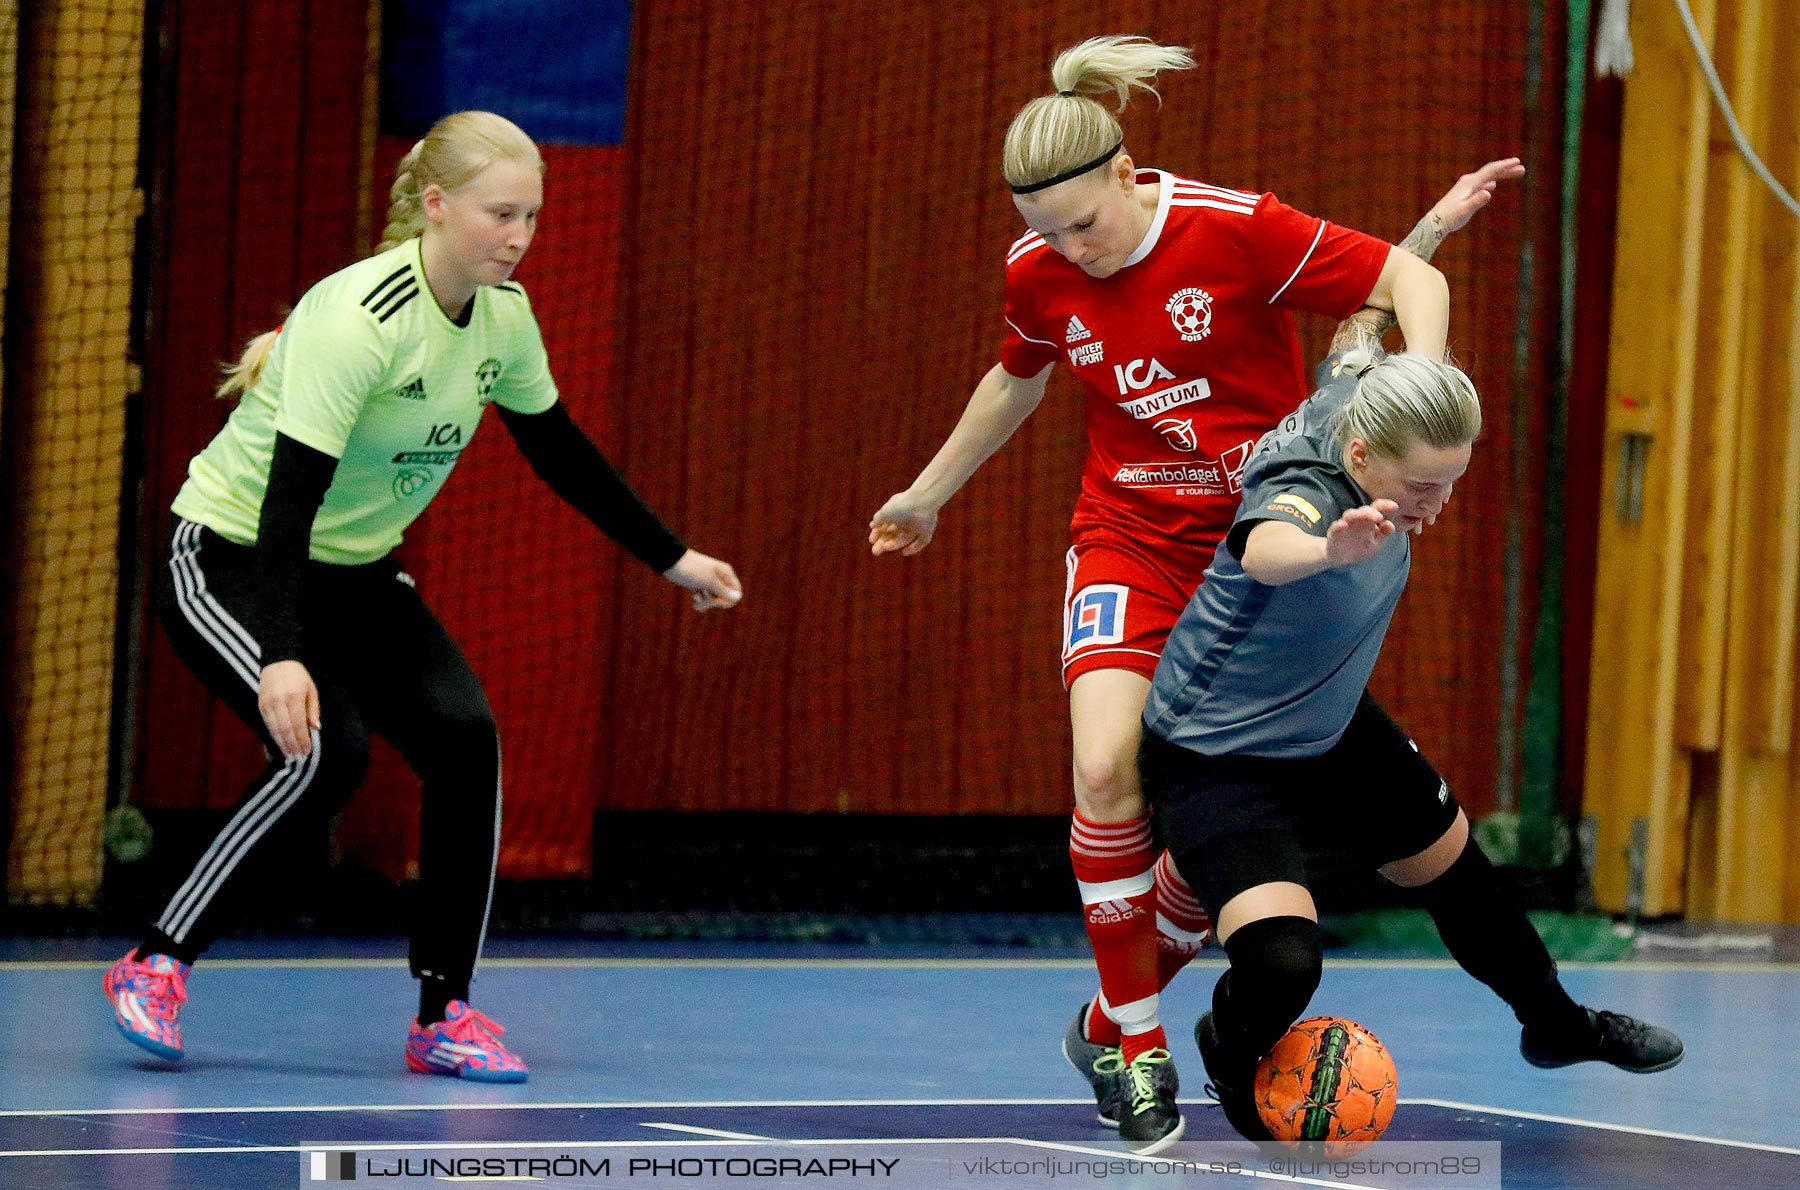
1075 332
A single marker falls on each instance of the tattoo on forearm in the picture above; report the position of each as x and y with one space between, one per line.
1362 329
1368 326
1425 236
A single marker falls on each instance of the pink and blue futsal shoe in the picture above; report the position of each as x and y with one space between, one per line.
146 1000
465 1044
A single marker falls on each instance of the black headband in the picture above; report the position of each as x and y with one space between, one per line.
1064 176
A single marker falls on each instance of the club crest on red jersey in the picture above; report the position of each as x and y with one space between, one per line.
1191 312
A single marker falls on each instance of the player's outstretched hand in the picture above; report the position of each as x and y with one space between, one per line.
1359 534
902 524
289 703
1474 191
713 583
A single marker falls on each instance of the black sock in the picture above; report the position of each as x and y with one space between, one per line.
157 942
1275 968
435 994
1493 940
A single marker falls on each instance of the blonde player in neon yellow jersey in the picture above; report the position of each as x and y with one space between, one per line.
281 594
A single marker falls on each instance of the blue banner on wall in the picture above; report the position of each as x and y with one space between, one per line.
557 68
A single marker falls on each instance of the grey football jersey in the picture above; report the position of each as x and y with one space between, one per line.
1277 671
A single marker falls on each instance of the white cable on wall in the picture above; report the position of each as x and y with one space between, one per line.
1718 91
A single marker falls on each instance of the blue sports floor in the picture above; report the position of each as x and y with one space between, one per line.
691 1065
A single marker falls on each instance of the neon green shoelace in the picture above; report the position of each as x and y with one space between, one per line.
1140 1073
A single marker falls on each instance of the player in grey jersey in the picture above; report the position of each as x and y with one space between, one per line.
1263 750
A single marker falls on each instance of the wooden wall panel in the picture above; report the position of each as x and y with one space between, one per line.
1634 768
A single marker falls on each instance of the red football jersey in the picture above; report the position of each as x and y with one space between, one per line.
1188 353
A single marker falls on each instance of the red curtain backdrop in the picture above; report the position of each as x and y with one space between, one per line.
799 250
812 287
256 198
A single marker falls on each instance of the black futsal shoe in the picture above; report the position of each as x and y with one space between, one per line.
1102 1065
1234 1094
1149 1121
1626 1042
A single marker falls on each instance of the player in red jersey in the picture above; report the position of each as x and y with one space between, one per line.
1171 300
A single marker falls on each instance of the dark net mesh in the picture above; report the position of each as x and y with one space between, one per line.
75 206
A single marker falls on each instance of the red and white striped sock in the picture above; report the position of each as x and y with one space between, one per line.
1114 864
1182 925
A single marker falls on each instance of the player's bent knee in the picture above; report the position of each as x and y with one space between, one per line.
1109 802
1280 957
1434 861
1276 899
1106 783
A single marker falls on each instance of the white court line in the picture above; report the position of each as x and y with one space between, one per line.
663 1104
399 963
1165 1157
485 1145
366 1147
1737 967
668 1105
708 1131
1061 1147
1453 1105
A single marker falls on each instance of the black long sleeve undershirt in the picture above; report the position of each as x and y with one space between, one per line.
563 456
567 459
298 479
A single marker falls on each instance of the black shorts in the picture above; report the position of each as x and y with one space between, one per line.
1234 822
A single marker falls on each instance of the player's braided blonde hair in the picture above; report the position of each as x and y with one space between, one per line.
1405 399
1056 133
457 148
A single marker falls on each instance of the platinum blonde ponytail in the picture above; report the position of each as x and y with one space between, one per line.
1055 133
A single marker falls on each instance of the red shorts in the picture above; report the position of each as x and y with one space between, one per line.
1122 601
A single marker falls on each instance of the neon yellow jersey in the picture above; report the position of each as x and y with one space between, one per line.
370 370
